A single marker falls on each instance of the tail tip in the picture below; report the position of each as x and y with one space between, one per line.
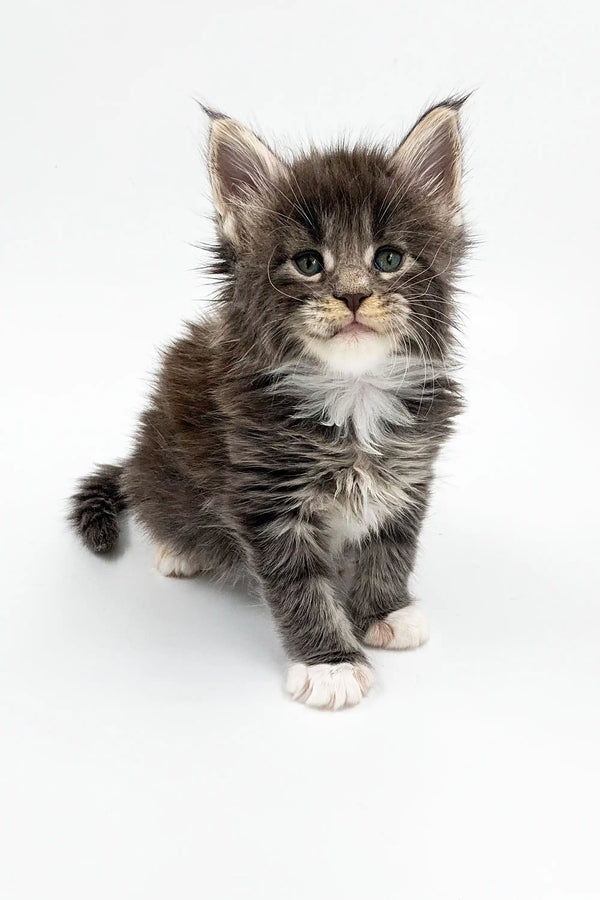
95 509
101 534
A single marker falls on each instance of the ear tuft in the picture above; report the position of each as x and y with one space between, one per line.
430 156
211 113
242 169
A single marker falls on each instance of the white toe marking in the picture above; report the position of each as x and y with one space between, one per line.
329 686
404 629
174 564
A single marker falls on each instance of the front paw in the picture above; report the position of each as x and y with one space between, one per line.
403 629
329 686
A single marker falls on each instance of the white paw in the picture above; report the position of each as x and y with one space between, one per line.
403 629
329 686
175 565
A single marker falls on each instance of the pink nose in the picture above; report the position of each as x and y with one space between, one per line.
353 301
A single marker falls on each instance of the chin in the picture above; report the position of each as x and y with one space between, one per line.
351 354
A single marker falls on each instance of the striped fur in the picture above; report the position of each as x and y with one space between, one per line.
95 508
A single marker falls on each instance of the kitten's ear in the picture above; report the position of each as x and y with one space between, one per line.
242 171
430 156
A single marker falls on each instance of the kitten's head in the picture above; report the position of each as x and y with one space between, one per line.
346 256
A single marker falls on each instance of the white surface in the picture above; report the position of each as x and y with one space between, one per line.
148 748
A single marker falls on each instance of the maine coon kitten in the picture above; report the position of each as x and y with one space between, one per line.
302 419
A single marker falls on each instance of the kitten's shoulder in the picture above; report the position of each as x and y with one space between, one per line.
194 346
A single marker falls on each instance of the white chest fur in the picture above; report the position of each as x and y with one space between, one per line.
367 401
356 512
365 498
377 485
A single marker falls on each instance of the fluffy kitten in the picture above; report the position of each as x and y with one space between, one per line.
303 418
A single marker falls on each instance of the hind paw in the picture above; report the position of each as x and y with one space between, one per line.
175 565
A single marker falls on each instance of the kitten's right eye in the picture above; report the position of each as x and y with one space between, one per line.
309 263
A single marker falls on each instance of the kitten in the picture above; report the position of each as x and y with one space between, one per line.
301 421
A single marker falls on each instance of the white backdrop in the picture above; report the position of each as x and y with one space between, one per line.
148 750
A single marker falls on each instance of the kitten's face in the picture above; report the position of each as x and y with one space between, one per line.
343 256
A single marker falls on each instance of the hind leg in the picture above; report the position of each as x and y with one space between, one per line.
211 551
181 516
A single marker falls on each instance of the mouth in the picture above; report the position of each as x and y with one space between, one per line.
355 328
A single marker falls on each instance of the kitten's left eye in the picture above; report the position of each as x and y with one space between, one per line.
388 259
309 263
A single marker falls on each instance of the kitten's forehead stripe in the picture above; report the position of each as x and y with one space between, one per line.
349 195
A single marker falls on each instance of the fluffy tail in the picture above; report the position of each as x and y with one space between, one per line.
95 508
